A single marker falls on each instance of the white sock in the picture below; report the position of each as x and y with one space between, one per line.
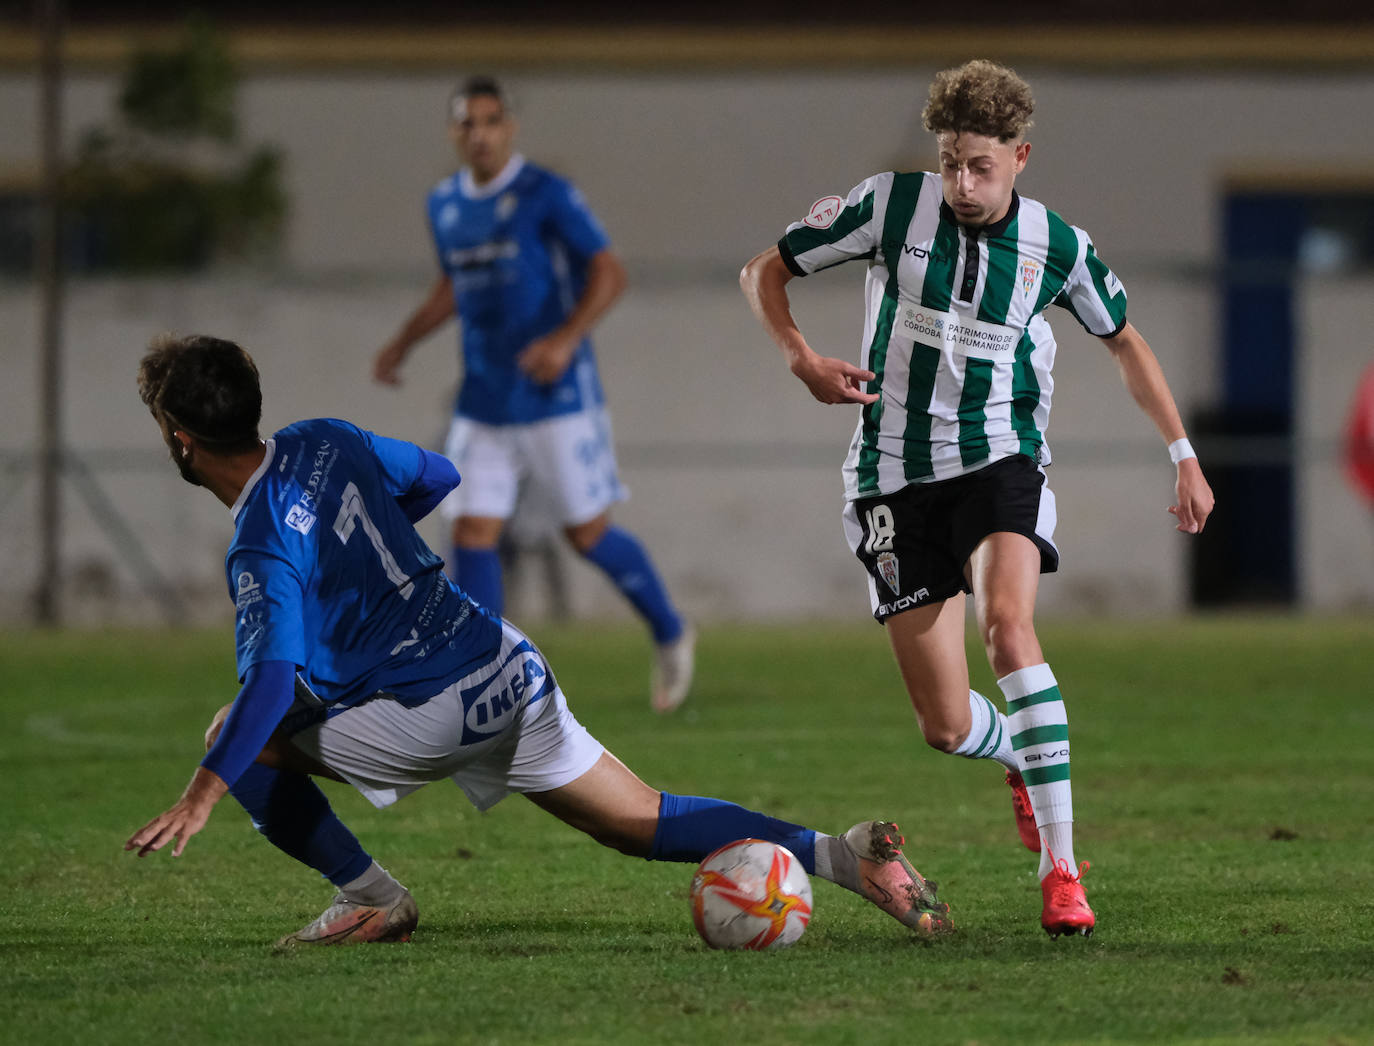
1040 738
1056 839
836 863
823 866
375 887
989 736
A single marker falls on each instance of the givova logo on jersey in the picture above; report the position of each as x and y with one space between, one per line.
489 707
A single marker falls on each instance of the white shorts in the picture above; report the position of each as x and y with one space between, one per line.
504 728
569 459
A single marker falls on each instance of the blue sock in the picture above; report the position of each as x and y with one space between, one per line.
625 562
690 827
294 815
479 575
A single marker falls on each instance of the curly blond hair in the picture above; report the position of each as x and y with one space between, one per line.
979 97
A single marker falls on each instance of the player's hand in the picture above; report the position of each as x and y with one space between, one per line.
386 365
1195 500
545 359
832 380
186 817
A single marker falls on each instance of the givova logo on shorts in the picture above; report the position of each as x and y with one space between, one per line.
489 707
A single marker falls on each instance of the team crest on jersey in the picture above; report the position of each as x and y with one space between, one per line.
448 216
824 212
1030 274
505 206
887 567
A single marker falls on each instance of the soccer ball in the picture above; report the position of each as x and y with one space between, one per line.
751 894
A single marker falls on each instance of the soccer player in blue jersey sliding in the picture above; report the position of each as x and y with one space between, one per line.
528 270
361 661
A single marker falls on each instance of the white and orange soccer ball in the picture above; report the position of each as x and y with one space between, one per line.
751 894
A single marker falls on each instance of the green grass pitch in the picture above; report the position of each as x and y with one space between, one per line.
1224 792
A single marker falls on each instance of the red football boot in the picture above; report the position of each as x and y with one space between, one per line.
1066 908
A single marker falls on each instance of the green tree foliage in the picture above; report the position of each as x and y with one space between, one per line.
169 186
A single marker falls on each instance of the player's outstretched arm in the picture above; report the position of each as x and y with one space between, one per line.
186 817
764 283
1145 381
266 694
433 311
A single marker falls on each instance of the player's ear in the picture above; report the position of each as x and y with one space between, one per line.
1022 155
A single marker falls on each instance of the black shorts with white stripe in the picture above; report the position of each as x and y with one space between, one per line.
915 543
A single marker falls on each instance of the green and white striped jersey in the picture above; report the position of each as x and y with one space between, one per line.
954 328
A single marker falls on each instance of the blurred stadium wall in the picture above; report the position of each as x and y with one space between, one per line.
695 163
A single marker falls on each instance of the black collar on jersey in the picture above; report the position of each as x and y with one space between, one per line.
997 228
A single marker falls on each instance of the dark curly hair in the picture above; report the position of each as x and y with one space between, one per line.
206 387
979 97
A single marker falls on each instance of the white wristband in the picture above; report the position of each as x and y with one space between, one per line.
1180 449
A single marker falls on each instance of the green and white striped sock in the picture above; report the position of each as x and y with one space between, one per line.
989 736
1040 739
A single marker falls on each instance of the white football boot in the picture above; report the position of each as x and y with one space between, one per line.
348 922
880 874
673 666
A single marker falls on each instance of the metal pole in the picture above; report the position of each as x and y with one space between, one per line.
49 268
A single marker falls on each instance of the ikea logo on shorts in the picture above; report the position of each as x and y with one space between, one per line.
491 706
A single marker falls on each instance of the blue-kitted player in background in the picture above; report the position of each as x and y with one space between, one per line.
528 270
361 661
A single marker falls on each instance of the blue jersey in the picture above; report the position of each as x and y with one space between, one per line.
327 571
516 252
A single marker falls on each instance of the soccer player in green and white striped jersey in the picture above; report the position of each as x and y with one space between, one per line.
944 482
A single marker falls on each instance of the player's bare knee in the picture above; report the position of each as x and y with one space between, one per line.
942 737
1010 642
585 536
477 532
216 724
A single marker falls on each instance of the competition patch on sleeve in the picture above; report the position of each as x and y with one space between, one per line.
248 591
824 212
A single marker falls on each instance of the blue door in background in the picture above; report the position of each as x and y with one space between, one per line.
1271 238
